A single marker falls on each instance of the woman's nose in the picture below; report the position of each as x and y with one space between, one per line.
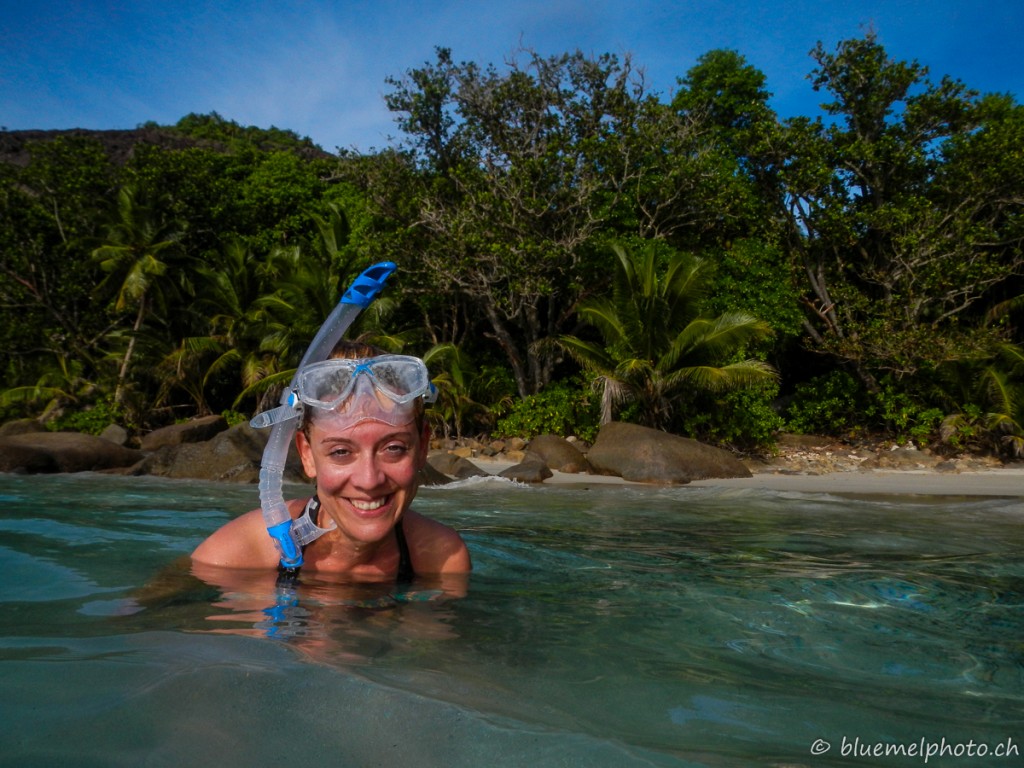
366 473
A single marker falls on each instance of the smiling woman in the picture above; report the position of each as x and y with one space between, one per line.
364 443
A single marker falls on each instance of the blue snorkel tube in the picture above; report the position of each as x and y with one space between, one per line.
285 418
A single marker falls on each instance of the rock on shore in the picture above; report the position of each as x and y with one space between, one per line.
207 449
645 455
40 452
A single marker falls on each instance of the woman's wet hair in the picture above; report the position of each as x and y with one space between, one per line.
348 349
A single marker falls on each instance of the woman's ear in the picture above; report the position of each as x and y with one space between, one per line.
306 454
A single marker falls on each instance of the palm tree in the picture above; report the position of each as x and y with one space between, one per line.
1006 395
334 229
455 406
60 385
140 248
259 312
656 344
227 327
989 391
304 288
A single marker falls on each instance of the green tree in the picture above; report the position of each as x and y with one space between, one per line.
143 262
455 407
518 171
982 174
655 343
277 196
896 237
731 94
213 127
209 362
171 322
727 97
302 287
198 185
48 212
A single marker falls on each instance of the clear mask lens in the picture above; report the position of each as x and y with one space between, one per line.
366 403
380 388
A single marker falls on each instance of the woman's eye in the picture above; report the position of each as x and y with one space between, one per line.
396 450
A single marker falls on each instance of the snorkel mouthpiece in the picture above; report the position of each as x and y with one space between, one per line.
285 418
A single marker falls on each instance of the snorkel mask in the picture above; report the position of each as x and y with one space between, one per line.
347 377
386 388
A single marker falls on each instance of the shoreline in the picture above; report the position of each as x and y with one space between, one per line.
1002 481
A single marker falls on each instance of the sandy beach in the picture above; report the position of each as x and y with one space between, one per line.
1001 481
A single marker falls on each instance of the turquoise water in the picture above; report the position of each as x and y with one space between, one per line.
603 626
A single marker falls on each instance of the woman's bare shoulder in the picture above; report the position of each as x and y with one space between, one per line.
436 547
239 543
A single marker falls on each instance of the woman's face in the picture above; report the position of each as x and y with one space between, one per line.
366 475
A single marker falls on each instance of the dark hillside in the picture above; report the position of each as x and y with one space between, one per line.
120 144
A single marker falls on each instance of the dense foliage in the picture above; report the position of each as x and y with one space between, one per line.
571 247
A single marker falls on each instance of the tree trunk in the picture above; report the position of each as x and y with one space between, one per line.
125 362
508 346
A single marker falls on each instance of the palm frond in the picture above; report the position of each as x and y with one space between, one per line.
592 357
262 385
721 378
656 343
33 395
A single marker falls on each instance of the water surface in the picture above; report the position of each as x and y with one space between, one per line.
603 626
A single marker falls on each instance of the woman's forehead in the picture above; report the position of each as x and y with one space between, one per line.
330 426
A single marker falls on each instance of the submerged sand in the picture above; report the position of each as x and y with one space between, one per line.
994 482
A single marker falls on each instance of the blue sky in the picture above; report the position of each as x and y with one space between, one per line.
319 67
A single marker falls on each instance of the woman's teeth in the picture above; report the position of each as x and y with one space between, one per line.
368 506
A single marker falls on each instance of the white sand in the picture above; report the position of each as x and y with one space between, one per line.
995 482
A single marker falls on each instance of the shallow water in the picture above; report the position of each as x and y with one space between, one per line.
603 626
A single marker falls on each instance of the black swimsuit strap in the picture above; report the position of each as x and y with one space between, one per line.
405 569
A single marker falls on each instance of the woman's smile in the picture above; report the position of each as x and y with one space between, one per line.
368 506
371 508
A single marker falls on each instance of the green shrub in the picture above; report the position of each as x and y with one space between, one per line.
743 419
836 404
903 416
91 420
561 409
833 404
234 418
